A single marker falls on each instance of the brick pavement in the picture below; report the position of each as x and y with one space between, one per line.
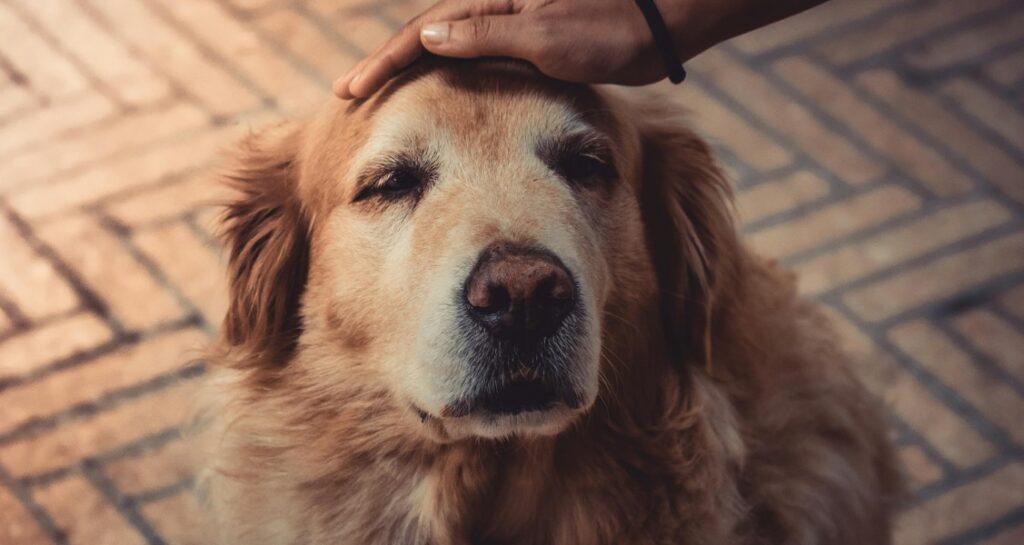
877 148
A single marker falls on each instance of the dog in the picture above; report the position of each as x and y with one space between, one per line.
486 307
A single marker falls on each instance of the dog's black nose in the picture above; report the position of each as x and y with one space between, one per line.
519 294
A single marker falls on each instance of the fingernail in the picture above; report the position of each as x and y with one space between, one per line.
435 33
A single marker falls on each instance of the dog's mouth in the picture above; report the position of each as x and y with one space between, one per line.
513 398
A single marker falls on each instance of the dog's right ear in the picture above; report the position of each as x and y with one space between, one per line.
266 233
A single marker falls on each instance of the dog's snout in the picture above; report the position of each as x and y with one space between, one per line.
521 294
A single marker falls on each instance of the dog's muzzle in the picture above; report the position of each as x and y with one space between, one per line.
522 322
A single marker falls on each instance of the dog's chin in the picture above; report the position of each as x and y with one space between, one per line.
548 421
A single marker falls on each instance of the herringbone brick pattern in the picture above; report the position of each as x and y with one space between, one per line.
877 148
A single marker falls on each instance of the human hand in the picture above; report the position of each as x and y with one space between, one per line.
597 41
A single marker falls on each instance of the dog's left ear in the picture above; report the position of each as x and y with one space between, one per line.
687 209
266 231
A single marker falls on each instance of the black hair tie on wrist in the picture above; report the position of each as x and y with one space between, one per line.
662 40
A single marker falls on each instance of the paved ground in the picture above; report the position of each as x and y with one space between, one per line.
877 147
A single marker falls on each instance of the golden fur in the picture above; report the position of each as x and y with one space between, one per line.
725 413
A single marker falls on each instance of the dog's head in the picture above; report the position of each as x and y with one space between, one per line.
463 241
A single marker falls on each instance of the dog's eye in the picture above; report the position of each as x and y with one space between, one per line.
580 167
401 181
395 183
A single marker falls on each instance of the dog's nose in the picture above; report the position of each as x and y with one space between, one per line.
520 294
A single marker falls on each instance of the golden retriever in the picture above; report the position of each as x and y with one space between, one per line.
485 307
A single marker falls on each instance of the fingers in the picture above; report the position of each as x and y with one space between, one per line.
485 36
405 46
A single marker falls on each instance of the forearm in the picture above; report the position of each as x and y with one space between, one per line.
697 25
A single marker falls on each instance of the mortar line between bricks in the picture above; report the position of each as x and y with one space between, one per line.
36 511
329 32
46 36
940 391
139 447
934 77
157 494
124 505
906 219
924 138
19 321
977 240
970 537
816 39
947 304
991 136
211 54
914 438
29 429
88 356
284 53
951 27
177 90
45 321
999 310
123 234
985 363
838 127
739 109
838 197
88 298
960 478
17 77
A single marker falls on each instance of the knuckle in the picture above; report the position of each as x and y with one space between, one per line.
478 29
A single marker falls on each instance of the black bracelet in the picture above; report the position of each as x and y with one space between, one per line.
662 40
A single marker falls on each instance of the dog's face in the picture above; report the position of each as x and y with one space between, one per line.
458 240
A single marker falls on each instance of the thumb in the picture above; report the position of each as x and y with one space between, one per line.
486 36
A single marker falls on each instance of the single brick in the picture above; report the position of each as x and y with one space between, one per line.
950 49
996 338
786 116
103 433
777 196
723 125
165 466
909 400
103 262
128 79
1012 536
17 526
185 154
917 467
40 126
814 22
237 43
179 519
1013 301
938 279
308 43
124 136
893 30
358 27
87 383
877 130
84 515
53 341
48 71
1007 69
29 280
168 51
14 98
937 353
834 221
971 505
935 118
190 265
899 244
997 114
197 191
